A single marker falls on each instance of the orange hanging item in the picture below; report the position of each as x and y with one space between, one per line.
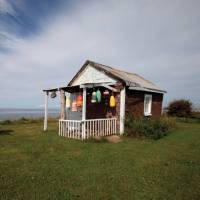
79 101
112 101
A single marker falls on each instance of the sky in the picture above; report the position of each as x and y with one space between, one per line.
44 43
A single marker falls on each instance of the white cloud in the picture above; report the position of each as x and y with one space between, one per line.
6 7
157 40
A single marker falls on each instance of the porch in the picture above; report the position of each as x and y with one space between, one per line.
92 119
88 128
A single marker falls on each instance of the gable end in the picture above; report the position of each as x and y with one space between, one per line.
90 73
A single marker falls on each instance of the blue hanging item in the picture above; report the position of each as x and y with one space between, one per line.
98 96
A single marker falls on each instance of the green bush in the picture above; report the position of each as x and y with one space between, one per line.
194 118
180 108
149 128
5 122
195 115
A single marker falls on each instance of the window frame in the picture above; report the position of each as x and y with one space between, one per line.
149 112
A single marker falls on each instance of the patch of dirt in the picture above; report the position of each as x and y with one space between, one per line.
113 138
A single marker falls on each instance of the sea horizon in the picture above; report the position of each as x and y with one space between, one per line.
17 113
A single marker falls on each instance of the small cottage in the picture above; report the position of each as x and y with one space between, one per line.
98 98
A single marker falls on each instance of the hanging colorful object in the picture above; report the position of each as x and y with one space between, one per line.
106 93
79 100
94 97
74 106
68 102
98 96
112 101
106 97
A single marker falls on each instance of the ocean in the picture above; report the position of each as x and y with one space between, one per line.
13 114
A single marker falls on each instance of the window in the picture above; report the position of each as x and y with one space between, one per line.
147 104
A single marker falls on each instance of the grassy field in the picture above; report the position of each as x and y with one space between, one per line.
37 165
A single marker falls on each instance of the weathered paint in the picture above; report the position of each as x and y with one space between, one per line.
63 104
84 111
122 109
92 75
46 111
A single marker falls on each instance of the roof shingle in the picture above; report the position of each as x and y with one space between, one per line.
131 79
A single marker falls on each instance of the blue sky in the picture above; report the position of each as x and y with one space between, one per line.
43 44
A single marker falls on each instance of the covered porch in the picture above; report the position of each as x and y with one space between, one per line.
90 119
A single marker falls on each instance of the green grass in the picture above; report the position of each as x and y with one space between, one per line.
38 165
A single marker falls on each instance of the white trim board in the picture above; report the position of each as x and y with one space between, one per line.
145 89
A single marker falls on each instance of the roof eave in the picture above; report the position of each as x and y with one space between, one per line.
147 89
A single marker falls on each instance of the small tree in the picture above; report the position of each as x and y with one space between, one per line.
180 108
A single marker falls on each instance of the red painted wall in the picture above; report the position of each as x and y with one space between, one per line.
135 103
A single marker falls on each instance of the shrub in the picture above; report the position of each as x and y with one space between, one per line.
149 128
194 118
180 108
5 122
195 115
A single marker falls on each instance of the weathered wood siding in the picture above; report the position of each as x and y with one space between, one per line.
92 75
63 104
135 103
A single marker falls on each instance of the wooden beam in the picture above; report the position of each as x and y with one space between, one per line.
110 88
84 112
122 109
63 104
46 111
106 85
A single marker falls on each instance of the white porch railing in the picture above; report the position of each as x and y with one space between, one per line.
70 128
78 129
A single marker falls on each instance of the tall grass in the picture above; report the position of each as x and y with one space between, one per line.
149 128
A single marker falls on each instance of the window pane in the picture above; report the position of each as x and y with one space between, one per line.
147 104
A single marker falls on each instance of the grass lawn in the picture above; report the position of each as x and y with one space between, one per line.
37 165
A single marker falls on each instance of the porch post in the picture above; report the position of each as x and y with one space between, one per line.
46 110
63 104
122 109
84 112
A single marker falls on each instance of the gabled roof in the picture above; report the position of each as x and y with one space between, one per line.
130 79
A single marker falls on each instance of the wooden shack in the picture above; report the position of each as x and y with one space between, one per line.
83 116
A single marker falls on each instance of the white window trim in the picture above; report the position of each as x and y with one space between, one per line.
150 108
